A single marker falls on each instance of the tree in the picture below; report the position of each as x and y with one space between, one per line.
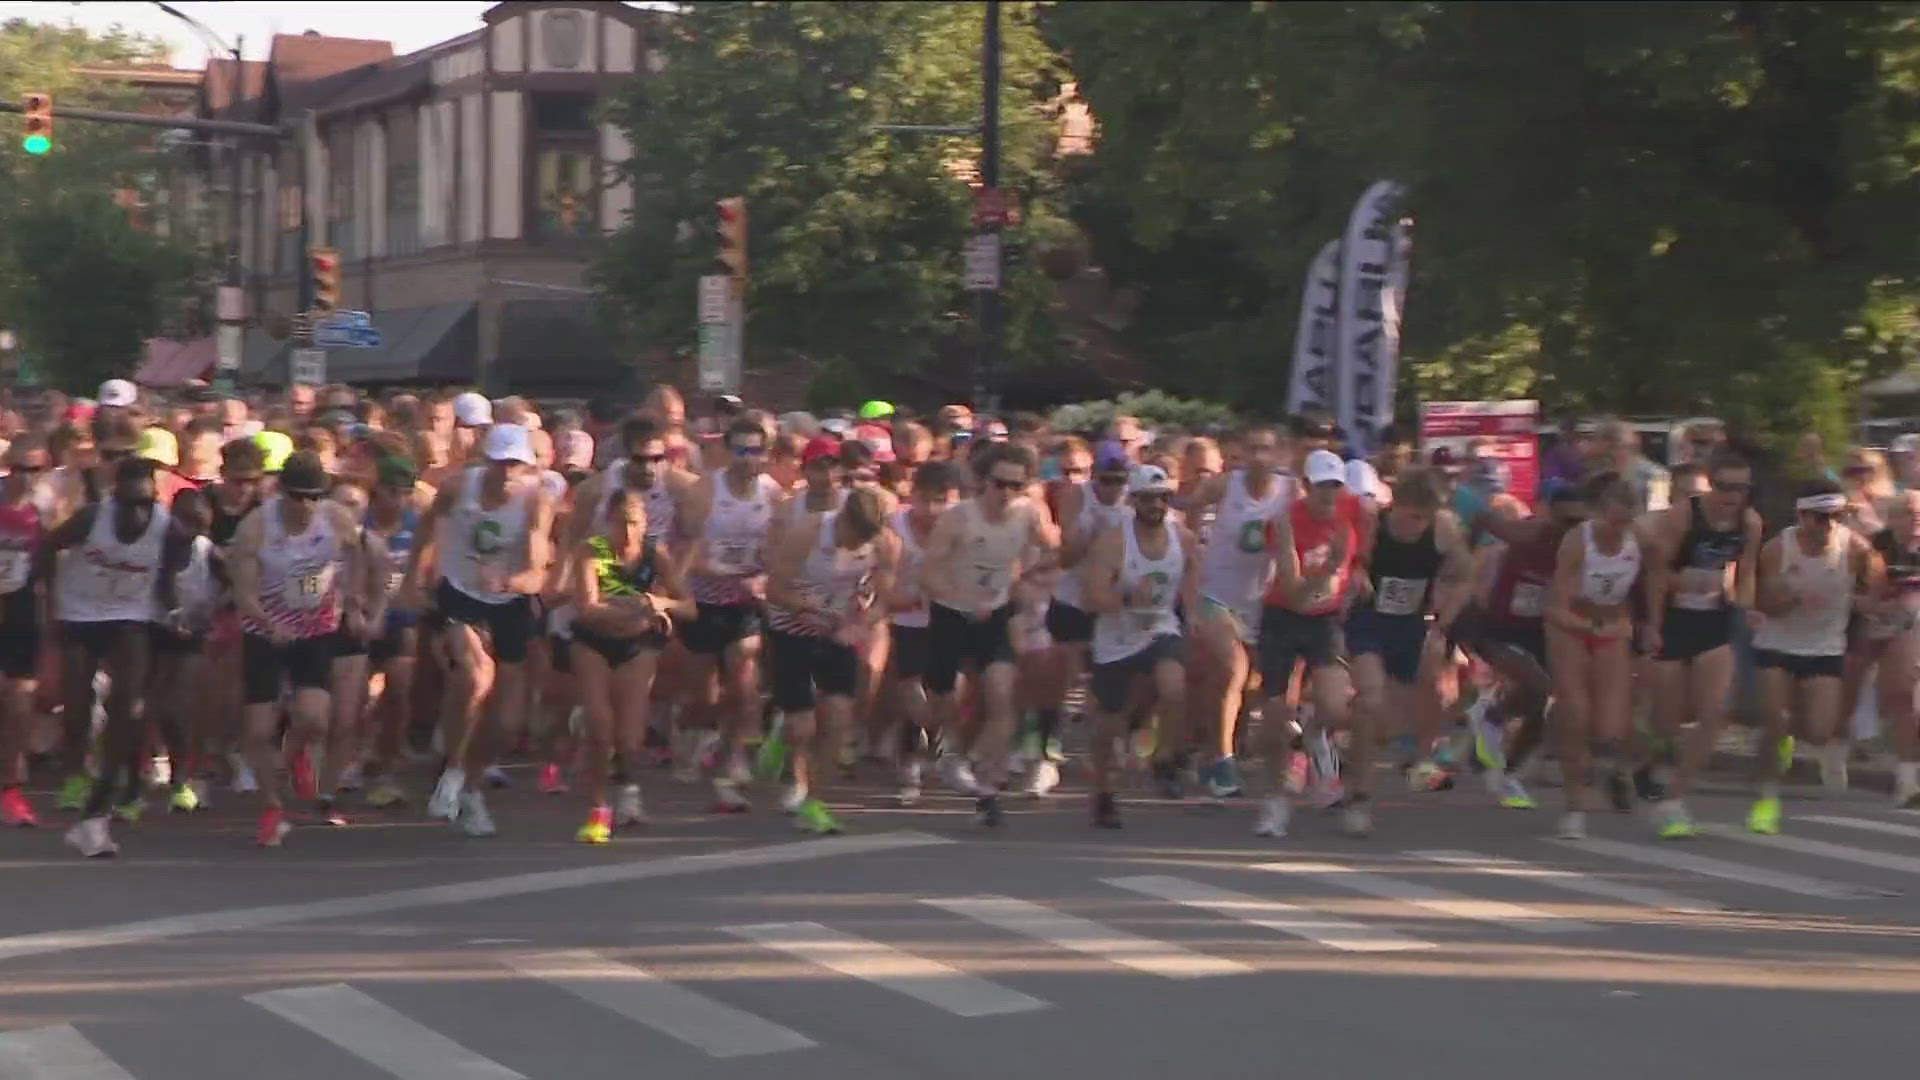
81 284
1620 206
855 233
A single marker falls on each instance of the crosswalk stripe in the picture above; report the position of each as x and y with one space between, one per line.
1866 824
1718 868
378 1035
55 1053
1086 936
883 965
1570 880
1421 895
1290 919
1905 864
637 994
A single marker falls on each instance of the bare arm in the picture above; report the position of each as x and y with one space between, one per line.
1075 542
1869 569
1100 573
1747 570
1451 591
886 569
1567 565
1189 571
243 566
1665 531
539 551
1774 598
783 570
943 548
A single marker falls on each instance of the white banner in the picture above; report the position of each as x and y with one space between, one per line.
1369 336
1314 341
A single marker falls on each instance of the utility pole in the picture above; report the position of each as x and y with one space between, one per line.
987 300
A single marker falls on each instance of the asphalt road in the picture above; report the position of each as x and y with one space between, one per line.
1456 942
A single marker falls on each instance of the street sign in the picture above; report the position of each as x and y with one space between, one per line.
721 348
983 262
716 294
307 366
346 330
227 340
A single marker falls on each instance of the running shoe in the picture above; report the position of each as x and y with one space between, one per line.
551 782
1427 776
202 789
160 771
245 782
184 800
1357 818
792 799
1573 825
131 811
1618 791
91 838
15 810
1042 778
627 807
728 798
352 778
987 812
325 812
497 778
273 828
1328 792
445 802
813 817
1166 777
474 819
1275 811
1106 810
909 783
771 762
386 793
1513 794
957 772
1489 738
1223 780
74 792
598 828
1647 785
1674 822
305 784
1833 766
1764 818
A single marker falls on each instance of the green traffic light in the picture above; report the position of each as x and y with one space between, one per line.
36 144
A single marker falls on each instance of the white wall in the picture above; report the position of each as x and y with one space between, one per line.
620 44
436 174
374 175
472 165
509 162
509 53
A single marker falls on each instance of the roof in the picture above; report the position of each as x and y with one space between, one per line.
172 363
218 86
310 56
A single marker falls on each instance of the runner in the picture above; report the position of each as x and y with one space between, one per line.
628 594
298 571
1315 547
239 492
1700 576
126 553
936 487
730 519
1085 508
22 619
395 507
1397 637
1136 575
1896 608
1812 575
486 542
977 553
1589 628
1234 566
827 588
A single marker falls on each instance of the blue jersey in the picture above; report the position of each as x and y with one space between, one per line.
399 557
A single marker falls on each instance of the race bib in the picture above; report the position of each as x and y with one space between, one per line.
395 579
990 583
1400 596
733 556
1529 600
102 585
309 589
14 568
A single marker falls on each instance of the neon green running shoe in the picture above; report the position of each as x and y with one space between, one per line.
184 799
1764 818
771 762
130 811
1675 822
1784 754
73 793
813 817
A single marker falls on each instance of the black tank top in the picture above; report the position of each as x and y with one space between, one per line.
1903 566
1707 548
1402 571
224 524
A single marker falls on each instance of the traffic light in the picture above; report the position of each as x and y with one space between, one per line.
732 212
326 278
36 133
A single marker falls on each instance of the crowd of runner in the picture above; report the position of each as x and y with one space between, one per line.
288 602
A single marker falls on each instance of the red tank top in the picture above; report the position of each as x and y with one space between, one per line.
20 531
1519 592
1313 543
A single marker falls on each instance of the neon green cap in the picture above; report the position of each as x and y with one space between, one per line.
157 444
876 410
275 449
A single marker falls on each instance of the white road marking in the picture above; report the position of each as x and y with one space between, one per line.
1905 864
253 918
883 965
55 1053
1290 919
378 1035
1080 935
1867 824
1440 901
637 994
1686 861
1570 880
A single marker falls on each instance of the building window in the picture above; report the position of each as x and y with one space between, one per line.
565 189
289 258
403 209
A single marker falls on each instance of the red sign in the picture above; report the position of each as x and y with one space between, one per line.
992 207
1506 430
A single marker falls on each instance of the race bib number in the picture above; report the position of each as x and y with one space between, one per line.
395 579
14 568
309 590
1606 588
1529 600
990 584
1400 596
733 556
102 585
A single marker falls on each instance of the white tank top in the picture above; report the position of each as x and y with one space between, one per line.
1824 584
831 577
913 560
735 536
299 574
1121 634
1606 580
1095 517
107 581
661 509
482 548
1234 561
989 553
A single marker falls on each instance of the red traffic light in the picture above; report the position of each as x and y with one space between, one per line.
732 212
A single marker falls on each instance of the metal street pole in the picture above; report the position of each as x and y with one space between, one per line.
987 301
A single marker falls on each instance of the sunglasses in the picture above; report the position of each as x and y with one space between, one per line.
647 459
27 470
114 453
1111 479
1733 487
305 496
1151 497
1005 484
1076 471
749 451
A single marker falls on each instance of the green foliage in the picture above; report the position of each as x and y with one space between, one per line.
855 235
79 283
1634 207
1153 408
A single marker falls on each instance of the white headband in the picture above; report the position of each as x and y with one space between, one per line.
1830 503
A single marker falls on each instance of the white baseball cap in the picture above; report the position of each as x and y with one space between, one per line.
508 442
1148 480
1364 479
1906 444
1325 466
118 394
472 410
